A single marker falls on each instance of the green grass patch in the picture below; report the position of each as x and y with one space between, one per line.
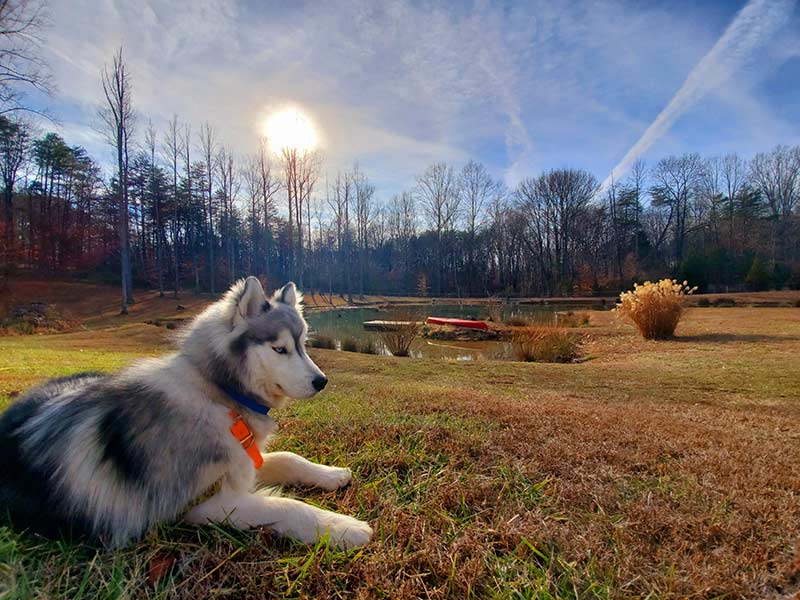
27 360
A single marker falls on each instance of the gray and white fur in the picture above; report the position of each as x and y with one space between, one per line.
106 457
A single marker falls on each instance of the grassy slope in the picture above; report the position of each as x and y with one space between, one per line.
97 305
670 469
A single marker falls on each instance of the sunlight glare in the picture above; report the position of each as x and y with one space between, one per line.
290 129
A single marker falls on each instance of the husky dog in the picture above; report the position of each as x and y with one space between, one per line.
108 456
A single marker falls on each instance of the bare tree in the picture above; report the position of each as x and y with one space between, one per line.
477 188
553 204
499 249
339 203
301 170
309 169
261 187
250 176
172 150
710 200
117 116
14 147
612 200
626 219
676 180
437 192
402 216
735 180
150 135
365 192
208 150
777 176
186 142
402 225
21 67
269 185
637 183
229 185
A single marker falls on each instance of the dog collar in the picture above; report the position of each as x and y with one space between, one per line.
244 435
247 401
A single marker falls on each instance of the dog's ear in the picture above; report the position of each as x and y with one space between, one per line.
251 300
287 294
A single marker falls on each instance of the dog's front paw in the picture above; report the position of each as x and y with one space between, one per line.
346 532
333 478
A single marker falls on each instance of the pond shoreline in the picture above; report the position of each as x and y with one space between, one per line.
594 303
352 327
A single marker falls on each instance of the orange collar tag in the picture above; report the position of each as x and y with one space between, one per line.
244 435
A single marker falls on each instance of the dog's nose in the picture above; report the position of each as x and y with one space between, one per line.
319 382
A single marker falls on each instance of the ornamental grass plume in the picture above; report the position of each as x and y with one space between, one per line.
655 308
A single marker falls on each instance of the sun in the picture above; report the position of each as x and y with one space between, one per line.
290 129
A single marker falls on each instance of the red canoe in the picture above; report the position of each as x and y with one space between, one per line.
457 322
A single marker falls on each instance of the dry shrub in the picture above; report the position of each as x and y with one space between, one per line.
369 346
399 340
655 308
322 341
571 319
544 343
517 320
34 318
350 344
724 302
494 310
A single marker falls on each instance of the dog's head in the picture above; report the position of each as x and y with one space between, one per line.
271 337
258 343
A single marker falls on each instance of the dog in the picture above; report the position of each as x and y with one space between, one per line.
106 457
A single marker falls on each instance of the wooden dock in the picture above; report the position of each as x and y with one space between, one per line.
388 325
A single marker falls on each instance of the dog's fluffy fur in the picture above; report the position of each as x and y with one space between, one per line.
108 456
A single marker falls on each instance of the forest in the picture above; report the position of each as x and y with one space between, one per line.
200 216
180 211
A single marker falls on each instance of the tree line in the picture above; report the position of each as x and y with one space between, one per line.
180 211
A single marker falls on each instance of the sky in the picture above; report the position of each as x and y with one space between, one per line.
394 85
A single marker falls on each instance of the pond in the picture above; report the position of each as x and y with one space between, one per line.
347 325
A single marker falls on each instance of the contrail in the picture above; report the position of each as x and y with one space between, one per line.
751 27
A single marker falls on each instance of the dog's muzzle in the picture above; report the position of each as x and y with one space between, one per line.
319 382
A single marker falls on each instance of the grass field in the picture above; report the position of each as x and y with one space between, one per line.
653 469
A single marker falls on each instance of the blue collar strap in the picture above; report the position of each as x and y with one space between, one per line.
245 400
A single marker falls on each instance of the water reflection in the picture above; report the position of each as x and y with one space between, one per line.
345 327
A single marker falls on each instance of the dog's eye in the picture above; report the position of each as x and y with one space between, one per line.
279 350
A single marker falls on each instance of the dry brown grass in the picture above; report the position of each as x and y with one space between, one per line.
320 340
678 479
98 305
34 318
667 470
517 320
349 344
544 343
573 319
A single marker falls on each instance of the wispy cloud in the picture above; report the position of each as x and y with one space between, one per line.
754 25
399 84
